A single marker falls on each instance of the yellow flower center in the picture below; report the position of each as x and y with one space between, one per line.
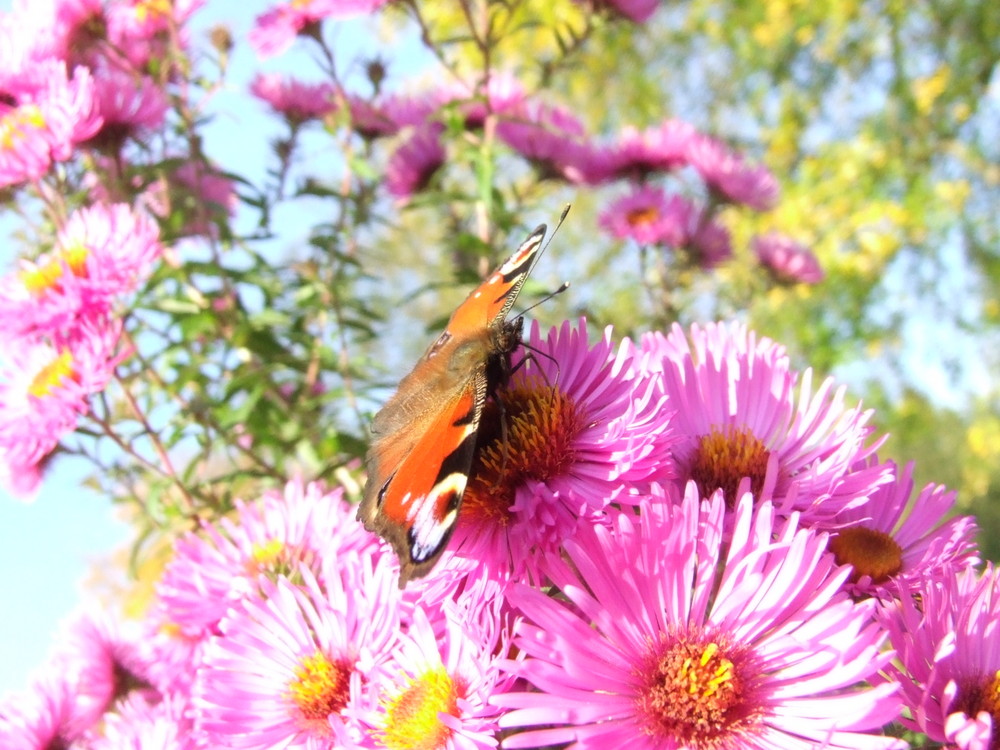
413 718
724 457
275 558
320 689
47 275
695 695
15 124
542 423
53 375
872 553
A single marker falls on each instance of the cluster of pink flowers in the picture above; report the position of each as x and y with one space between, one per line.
676 542
554 141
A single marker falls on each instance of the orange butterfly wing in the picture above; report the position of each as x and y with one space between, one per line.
425 436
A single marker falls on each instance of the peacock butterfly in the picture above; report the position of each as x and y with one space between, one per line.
424 438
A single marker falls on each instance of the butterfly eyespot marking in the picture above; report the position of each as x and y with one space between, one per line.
426 434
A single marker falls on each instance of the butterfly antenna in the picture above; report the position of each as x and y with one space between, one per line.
562 218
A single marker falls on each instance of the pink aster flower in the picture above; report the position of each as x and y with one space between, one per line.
667 635
138 723
129 104
730 177
710 244
103 658
787 260
295 666
141 31
414 163
638 11
636 154
584 428
285 533
948 662
44 389
101 253
298 102
275 30
649 216
205 198
44 116
552 138
501 94
439 684
894 545
742 412
371 119
41 718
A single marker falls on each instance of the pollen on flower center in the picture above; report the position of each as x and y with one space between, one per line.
15 123
47 275
52 375
642 216
321 688
871 552
724 457
542 423
275 558
695 695
412 720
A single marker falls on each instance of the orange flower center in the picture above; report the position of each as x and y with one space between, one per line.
696 696
413 718
724 457
640 217
982 694
320 689
872 553
542 423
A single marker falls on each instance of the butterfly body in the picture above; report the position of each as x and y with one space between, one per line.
425 436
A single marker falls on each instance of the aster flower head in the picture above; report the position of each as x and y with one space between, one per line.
295 100
42 717
440 679
139 723
668 636
129 104
787 260
742 412
636 154
551 138
47 113
296 665
415 162
947 660
285 533
710 244
45 388
501 94
894 545
730 177
276 29
101 253
206 197
650 216
637 11
583 429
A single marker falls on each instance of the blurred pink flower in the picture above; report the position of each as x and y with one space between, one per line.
730 177
102 253
787 260
414 162
635 154
44 388
650 216
550 137
128 104
298 102
275 30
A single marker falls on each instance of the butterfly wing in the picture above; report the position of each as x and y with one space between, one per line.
425 436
